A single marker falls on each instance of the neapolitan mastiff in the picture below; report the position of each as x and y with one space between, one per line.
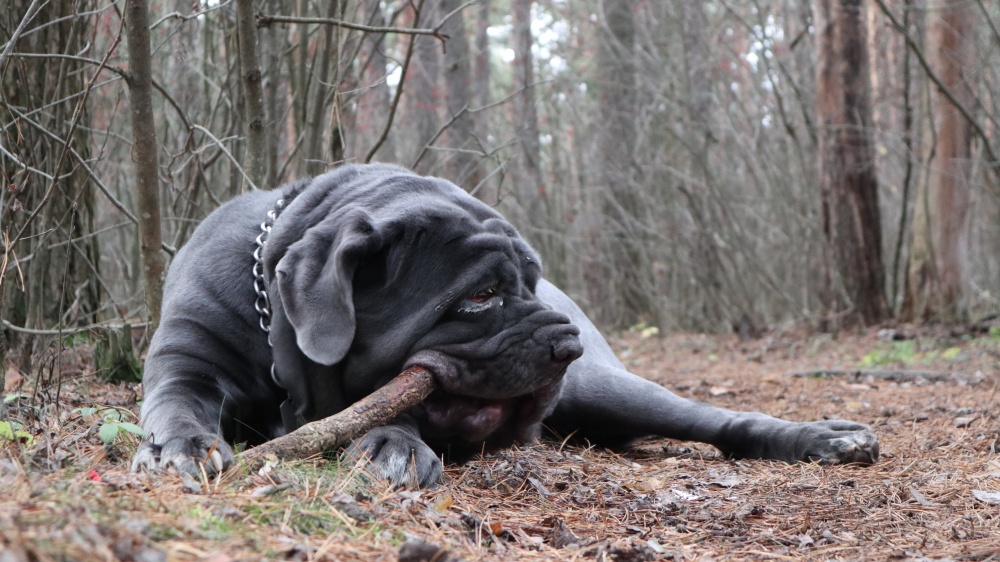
369 269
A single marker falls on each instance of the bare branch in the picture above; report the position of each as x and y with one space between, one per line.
225 151
264 20
399 92
408 389
70 331
895 376
83 163
77 113
994 162
28 16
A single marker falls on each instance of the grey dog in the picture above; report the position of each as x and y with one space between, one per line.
369 269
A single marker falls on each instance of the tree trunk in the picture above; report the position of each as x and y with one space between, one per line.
706 263
318 127
847 179
617 275
147 164
375 103
255 159
62 283
939 263
463 163
481 77
531 192
423 92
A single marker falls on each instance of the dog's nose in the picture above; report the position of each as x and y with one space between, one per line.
566 349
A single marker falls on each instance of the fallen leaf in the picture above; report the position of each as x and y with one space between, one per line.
12 379
719 391
655 546
539 487
921 499
727 481
856 386
648 485
444 503
965 421
686 496
991 498
559 535
269 490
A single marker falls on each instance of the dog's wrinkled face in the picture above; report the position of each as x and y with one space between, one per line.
467 289
428 275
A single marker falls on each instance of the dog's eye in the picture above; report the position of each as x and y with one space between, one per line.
481 300
484 295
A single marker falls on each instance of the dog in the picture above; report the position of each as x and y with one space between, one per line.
287 306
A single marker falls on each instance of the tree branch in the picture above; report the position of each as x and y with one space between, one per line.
408 389
28 16
399 91
265 20
894 376
993 161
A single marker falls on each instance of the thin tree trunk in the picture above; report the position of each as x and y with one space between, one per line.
531 190
939 263
481 77
706 263
147 164
847 159
317 126
255 159
424 93
62 283
618 270
371 122
463 163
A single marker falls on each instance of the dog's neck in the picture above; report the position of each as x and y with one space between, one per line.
289 417
263 303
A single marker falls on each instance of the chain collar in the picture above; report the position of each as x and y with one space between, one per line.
289 412
263 303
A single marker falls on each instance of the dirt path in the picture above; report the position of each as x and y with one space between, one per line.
933 495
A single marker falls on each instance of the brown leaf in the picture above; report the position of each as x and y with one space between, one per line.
12 379
719 391
444 503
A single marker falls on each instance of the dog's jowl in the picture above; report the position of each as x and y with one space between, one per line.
287 306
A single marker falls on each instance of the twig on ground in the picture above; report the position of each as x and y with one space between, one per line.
408 389
895 376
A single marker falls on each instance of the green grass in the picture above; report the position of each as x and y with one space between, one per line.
908 353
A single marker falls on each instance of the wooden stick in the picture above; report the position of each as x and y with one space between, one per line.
895 376
408 389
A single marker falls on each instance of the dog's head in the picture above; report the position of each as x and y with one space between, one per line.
373 269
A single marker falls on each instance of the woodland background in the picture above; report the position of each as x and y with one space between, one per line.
692 165
773 168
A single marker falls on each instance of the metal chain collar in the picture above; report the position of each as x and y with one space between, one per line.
263 303
289 416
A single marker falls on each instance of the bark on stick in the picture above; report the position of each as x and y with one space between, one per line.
408 389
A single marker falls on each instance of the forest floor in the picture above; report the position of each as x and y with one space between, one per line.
934 494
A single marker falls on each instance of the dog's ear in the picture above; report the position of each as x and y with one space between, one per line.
315 283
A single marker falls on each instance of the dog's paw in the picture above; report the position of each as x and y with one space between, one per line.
838 442
186 454
398 456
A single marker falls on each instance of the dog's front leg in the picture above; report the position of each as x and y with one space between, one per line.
398 454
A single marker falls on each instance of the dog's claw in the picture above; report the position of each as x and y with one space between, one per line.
185 454
216 459
842 442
